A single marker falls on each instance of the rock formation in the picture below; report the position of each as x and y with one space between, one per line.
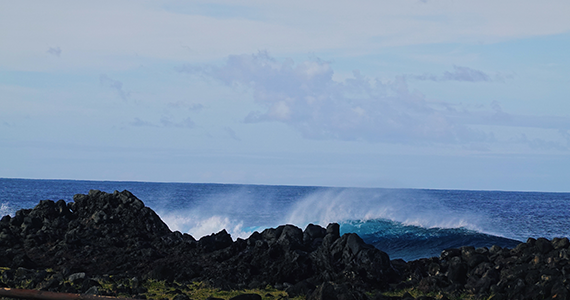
116 234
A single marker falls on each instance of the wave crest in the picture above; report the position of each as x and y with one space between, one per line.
409 208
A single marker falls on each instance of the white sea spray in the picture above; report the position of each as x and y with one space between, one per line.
6 209
408 208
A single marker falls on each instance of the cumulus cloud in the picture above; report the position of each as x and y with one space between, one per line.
115 85
54 51
305 96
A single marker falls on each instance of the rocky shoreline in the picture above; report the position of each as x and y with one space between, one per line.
111 244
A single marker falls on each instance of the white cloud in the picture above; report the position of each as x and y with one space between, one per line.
306 97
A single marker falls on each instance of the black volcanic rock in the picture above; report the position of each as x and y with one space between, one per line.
97 233
537 269
102 234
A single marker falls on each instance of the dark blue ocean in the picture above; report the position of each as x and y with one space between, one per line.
405 223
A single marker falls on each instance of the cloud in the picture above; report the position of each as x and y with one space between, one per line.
196 107
115 85
140 123
54 51
192 107
465 74
232 134
306 97
164 122
186 123
542 144
459 74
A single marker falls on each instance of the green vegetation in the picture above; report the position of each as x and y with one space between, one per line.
124 287
161 290
196 290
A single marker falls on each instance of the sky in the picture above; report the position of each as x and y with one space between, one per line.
435 94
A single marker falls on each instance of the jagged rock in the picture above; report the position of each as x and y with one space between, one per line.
97 233
216 241
116 234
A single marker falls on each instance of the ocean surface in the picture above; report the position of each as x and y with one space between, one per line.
405 223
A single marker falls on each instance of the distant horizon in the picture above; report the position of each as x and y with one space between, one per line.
292 185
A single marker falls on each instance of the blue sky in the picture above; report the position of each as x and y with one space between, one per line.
414 94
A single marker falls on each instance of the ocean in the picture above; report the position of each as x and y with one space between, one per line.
406 223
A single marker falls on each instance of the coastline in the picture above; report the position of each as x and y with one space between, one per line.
105 236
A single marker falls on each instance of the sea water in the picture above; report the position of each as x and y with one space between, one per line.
405 223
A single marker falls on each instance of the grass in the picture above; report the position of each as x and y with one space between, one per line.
200 291
162 290
151 289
